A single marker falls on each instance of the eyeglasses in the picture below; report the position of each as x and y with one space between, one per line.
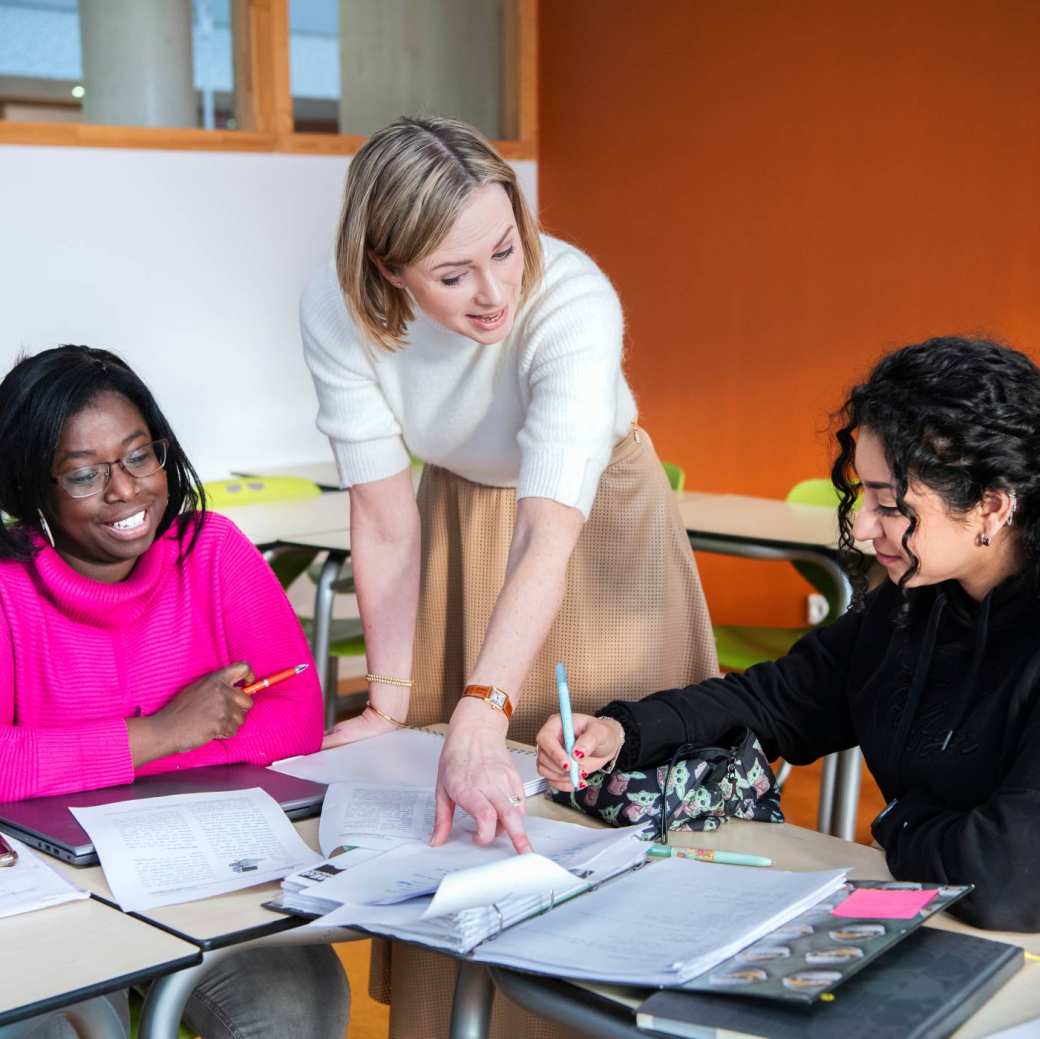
88 480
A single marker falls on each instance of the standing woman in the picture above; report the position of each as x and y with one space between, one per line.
544 528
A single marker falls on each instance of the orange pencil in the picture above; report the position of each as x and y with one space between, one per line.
270 680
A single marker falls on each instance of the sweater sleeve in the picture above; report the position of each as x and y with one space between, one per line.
994 846
352 409
797 706
39 761
571 364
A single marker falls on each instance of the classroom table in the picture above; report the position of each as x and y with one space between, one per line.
215 927
271 523
790 847
51 960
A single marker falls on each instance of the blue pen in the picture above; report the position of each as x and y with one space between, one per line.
564 693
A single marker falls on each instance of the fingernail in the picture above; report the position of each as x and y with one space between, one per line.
584 775
582 785
578 752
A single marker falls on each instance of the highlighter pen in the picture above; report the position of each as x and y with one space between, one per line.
270 680
564 693
729 858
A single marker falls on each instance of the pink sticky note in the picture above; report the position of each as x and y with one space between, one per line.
877 903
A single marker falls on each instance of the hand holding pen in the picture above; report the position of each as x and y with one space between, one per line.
596 742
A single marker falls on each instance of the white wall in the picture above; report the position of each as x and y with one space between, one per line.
189 265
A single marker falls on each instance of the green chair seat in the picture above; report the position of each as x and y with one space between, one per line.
740 647
347 638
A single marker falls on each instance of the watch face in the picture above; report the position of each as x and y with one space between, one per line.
497 697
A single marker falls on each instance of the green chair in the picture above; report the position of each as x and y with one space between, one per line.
676 476
740 646
289 562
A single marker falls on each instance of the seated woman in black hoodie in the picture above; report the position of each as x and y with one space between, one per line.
936 673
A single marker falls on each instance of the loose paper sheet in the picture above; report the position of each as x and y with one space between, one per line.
353 812
31 884
161 851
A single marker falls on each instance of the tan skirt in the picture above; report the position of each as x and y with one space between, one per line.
633 621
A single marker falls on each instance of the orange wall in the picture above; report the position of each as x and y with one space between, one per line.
780 192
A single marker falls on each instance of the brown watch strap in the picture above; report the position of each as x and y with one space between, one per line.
496 698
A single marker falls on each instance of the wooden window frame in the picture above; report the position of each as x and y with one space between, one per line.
263 98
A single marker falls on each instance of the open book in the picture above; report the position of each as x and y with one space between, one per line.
584 907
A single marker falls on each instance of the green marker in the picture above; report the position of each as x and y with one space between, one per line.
728 858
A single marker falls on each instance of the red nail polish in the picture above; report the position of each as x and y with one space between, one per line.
584 775
582 785
578 752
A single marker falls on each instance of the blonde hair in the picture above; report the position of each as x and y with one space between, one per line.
404 191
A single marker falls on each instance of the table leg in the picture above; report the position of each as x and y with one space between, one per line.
471 1009
846 794
324 598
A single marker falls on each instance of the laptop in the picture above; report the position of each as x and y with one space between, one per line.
46 822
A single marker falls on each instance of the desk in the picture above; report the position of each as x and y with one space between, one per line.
790 847
51 961
214 927
270 523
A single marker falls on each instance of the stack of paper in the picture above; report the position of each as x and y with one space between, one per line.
407 757
31 884
457 895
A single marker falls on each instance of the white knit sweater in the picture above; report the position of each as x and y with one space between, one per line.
540 411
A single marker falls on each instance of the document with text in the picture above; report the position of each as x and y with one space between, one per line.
32 884
164 850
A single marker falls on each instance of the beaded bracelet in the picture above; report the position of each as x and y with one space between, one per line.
404 683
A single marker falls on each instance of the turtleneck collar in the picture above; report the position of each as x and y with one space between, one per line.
97 603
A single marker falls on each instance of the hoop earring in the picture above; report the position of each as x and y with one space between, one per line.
984 540
45 527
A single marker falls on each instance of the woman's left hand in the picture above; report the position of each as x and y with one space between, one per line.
476 773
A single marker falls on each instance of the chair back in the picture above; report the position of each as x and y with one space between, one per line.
818 491
254 490
676 475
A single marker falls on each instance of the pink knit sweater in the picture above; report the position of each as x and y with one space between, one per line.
77 657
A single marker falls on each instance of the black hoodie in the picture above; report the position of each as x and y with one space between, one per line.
945 710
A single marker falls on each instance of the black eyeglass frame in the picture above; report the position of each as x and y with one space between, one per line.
161 450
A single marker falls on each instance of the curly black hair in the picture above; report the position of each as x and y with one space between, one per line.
37 397
962 417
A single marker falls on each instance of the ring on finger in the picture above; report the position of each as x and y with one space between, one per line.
514 800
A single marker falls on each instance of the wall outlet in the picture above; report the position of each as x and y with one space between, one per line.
816 608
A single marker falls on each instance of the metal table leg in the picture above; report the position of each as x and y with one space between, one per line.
324 598
846 794
471 1009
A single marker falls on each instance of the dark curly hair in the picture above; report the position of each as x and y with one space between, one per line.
37 397
962 417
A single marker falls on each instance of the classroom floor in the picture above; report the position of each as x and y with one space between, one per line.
370 1020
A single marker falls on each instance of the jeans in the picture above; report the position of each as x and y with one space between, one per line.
271 992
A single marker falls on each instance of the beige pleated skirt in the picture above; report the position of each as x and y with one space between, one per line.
633 621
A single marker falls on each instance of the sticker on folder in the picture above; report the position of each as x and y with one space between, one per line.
884 903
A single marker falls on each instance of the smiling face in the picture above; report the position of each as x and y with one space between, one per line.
471 282
102 536
947 544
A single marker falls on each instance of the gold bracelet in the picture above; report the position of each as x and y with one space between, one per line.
404 683
386 717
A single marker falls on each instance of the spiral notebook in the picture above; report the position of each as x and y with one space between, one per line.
407 757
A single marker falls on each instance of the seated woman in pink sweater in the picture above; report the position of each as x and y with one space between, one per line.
127 616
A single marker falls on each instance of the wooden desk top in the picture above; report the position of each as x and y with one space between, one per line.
761 521
71 952
210 922
270 522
